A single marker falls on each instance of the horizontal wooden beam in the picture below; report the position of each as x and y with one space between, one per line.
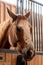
16 52
9 51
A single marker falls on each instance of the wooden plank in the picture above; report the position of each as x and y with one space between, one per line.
3 9
39 61
42 60
6 63
32 61
2 12
13 9
3 57
13 59
8 57
36 60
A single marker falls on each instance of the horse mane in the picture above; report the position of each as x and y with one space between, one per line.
4 26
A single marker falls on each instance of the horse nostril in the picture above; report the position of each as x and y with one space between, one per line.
29 53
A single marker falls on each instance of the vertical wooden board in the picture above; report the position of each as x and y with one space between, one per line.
35 60
3 57
6 63
13 9
8 57
2 12
39 60
13 59
42 60
32 61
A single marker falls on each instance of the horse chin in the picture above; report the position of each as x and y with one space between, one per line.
28 58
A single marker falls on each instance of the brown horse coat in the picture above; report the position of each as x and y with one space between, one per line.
17 33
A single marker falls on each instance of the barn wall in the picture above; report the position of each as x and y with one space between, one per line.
3 11
9 58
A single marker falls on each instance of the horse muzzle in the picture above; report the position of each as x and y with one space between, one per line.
28 53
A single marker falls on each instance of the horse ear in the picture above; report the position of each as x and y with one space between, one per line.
27 15
11 14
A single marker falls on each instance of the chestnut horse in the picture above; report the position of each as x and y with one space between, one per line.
18 34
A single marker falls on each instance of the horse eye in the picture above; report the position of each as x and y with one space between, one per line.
18 29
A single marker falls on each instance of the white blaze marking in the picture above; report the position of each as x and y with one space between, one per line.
10 40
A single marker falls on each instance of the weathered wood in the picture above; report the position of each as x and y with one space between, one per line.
10 59
3 10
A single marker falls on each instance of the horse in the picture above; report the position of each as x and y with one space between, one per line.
18 34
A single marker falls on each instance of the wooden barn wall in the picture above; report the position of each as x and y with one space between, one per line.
9 58
3 11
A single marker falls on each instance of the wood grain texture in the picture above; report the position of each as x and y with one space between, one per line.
10 59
